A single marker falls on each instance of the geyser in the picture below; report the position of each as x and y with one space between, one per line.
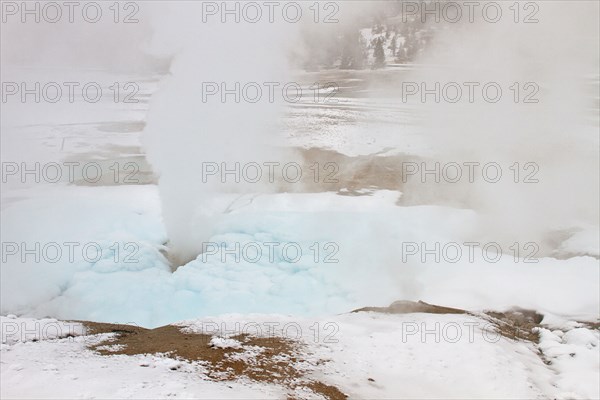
188 129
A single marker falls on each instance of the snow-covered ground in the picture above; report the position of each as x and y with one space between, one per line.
101 256
365 355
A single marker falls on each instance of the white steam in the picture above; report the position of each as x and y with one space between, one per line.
186 131
558 54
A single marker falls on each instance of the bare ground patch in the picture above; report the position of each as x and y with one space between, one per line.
516 323
261 359
348 175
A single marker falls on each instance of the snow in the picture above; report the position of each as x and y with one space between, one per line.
575 357
44 355
64 368
582 242
357 126
22 330
224 343
367 355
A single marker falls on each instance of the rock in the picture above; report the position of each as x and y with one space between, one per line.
407 307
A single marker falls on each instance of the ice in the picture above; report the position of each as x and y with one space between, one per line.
364 229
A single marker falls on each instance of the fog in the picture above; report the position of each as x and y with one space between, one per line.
542 127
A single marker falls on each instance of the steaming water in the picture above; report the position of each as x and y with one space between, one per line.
184 130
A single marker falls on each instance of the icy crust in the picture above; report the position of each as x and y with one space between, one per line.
363 234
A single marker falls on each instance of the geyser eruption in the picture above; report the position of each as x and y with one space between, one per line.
214 111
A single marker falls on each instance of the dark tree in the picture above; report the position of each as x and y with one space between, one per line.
393 45
379 53
354 50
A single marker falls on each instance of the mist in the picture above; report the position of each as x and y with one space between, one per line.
544 127
191 130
